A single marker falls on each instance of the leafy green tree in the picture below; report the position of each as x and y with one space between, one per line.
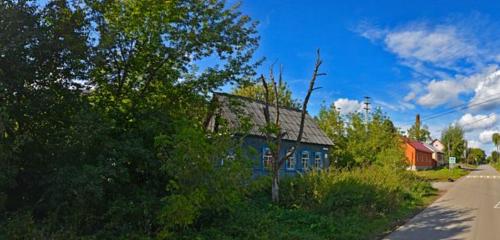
42 55
96 98
256 91
454 142
380 144
419 132
495 156
332 123
476 155
495 138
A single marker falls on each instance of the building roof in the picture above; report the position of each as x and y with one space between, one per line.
432 148
417 145
436 140
233 107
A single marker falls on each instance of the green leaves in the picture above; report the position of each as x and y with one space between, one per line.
357 143
454 142
109 161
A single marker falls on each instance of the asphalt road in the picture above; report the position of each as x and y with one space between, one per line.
469 210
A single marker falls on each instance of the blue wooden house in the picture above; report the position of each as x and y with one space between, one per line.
237 112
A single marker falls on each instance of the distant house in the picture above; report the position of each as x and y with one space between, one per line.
437 155
418 155
237 112
438 145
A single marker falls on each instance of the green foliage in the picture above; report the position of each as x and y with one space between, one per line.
361 144
333 124
442 174
495 138
418 132
101 123
256 91
496 165
476 155
341 204
495 156
454 142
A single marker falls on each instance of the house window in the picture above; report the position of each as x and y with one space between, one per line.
305 159
317 160
267 158
290 162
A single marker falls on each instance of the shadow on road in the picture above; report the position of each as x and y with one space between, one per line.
435 222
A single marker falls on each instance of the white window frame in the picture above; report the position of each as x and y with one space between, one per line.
267 158
305 159
317 160
290 162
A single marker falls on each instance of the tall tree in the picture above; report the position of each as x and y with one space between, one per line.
43 54
495 156
145 80
273 130
419 132
101 116
332 123
495 138
476 155
454 142
380 144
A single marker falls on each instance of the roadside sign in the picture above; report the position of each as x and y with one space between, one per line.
452 160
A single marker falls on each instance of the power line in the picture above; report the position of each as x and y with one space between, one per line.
470 123
461 108
457 108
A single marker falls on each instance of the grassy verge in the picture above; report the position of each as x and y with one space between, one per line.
442 174
359 204
496 165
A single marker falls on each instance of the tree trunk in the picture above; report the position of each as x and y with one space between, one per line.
275 188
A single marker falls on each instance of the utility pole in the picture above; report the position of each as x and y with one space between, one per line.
449 155
417 127
465 151
367 109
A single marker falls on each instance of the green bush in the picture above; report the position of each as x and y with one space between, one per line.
339 204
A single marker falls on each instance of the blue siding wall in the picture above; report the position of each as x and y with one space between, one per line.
255 147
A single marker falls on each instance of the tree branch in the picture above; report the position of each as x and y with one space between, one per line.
304 107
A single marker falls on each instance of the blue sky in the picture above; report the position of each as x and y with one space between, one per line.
423 57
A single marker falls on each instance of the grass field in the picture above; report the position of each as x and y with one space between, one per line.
496 166
442 174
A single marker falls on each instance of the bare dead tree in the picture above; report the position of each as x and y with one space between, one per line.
273 131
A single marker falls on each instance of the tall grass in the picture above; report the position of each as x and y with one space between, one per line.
337 204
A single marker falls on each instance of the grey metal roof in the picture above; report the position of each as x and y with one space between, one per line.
232 108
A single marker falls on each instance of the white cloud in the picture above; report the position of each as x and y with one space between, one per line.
487 92
471 122
399 106
347 106
442 45
474 144
440 92
448 60
410 96
485 136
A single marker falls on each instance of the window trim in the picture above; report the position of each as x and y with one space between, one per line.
265 150
302 159
290 159
316 155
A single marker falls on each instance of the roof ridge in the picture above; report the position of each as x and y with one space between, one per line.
255 100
